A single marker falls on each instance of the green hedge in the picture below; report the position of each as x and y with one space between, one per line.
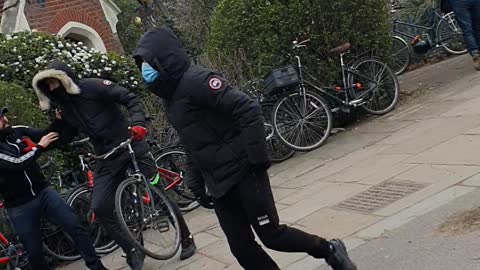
264 30
23 55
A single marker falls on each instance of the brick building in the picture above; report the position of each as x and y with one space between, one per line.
91 21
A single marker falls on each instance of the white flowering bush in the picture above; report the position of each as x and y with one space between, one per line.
22 55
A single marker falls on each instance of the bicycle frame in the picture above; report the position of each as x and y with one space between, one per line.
345 70
12 251
437 17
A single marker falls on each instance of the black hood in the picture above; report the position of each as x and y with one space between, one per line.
57 70
164 52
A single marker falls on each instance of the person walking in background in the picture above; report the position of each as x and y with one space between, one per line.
467 13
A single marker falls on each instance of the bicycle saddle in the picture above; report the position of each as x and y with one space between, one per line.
342 48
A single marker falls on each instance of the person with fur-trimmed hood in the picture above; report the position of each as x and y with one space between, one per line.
91 106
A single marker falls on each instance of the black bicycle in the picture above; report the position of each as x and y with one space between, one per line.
302 118
442 31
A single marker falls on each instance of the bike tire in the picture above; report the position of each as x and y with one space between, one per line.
103 244
277 150
401 55
370 64
448 26
62 248
176 161
287 111
137 222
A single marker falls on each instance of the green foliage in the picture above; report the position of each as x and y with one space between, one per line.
22 55
128 32
264 30
22 105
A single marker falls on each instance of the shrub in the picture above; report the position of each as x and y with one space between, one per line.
22 55
264 30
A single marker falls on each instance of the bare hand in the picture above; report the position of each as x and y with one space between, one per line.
48 139
58 114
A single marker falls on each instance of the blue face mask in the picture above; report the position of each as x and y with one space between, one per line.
149 74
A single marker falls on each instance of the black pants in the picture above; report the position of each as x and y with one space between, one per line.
250 204
48 204
103 201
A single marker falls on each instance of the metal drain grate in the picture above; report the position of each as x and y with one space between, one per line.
380 196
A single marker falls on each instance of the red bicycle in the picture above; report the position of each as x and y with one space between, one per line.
12 254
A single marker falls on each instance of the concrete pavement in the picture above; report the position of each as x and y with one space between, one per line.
401 166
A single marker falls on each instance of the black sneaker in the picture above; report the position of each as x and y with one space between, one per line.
135 259
188 248
338 258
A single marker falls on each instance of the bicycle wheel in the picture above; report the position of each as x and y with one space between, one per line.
57 243
302 122
380 88
176 161
451 35
401 55
152 229
80 201
277 150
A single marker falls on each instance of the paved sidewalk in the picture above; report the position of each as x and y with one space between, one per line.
429 145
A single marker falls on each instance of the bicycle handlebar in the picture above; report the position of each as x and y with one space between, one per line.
79 142
300 44
111 152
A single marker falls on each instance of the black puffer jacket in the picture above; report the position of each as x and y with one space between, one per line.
220 127
91 106
20 176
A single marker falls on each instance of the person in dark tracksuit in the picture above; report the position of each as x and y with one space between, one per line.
222 130
91 106
28 197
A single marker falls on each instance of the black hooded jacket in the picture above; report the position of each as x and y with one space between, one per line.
91 106
20 176
220 127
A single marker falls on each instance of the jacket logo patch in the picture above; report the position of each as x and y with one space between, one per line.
215 83
107 82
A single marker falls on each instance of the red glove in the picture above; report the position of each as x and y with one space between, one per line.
138 133
29 145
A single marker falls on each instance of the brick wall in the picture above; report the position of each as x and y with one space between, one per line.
51 15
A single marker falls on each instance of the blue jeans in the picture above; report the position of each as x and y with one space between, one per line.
48 204
467 13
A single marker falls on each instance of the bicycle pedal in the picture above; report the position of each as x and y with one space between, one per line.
356 102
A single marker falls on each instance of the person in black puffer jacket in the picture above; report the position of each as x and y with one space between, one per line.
223 133
28 198
92 107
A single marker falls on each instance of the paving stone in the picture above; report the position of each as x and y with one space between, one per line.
204 263
332 223
334 166
318 196
469 107
345 143
382 126
201 219
461 150
219 251
365 168
303 166
427 173
427 133
447 176
407 215
472 181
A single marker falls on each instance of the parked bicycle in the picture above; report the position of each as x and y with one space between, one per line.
12 254
302 115
443 31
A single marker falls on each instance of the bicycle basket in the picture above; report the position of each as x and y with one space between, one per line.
281 79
